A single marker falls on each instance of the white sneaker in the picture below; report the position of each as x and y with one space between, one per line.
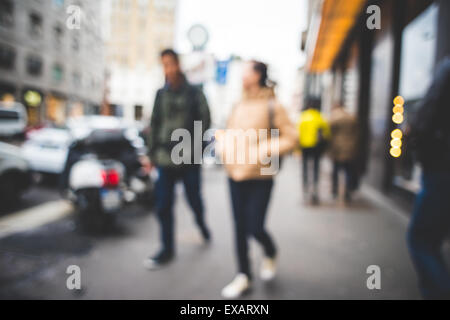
268 269
237 287
151 264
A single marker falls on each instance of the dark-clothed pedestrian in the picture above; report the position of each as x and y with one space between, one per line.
430 223
177 106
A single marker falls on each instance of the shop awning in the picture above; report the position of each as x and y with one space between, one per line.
329 30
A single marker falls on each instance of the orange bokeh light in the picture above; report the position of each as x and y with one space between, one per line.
399 101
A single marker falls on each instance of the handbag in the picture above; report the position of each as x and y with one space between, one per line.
272 124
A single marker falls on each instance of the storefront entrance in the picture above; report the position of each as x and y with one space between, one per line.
56 109
33 100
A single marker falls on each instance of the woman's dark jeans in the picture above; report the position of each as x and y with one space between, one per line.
250 200
311 156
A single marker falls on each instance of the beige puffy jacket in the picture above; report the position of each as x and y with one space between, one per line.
253 112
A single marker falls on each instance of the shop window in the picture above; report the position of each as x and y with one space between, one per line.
34 65
350 81
35 25
417 64
56 107
6 13
418 54
7 57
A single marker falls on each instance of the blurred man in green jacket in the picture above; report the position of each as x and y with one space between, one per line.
177 106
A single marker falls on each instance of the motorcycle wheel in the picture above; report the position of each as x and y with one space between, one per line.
90 216
147 199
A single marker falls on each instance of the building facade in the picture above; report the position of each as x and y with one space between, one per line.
365 69
50 62
136 32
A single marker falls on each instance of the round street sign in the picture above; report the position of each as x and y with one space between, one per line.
198 36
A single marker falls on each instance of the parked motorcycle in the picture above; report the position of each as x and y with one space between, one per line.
96 190
103 174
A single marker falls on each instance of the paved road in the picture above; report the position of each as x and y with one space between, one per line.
324 252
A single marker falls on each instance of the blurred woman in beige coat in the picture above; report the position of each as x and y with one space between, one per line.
343 149
251 160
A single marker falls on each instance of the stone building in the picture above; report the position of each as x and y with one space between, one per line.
51 57
136 32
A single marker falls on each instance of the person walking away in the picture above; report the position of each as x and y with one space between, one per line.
250 185
343 148
313 135
430 223
177 105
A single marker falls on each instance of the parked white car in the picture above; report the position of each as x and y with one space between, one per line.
13 119
46 150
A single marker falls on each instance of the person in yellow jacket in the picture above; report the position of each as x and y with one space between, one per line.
314 132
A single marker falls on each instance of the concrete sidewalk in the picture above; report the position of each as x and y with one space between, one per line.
34 217
324 252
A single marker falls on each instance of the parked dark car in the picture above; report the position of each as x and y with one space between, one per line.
15 175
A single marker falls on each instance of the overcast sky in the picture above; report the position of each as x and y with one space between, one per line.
268 30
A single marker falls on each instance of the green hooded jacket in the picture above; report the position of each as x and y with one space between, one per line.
175 109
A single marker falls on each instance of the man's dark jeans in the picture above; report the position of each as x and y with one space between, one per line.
311 156
165 187
429 227
250 200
